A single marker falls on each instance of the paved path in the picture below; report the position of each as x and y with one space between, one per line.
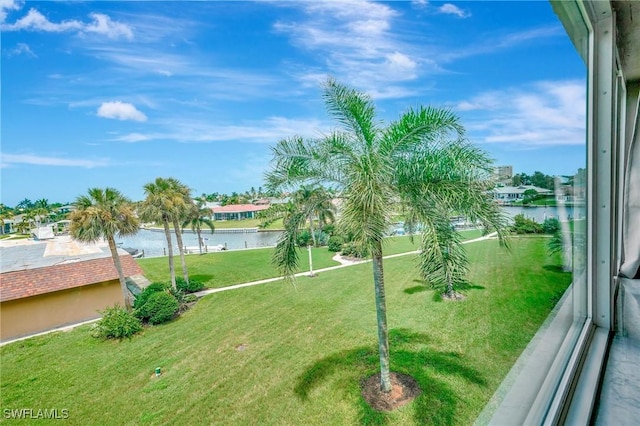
344 263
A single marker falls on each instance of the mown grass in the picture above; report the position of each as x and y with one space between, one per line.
223 269
291 355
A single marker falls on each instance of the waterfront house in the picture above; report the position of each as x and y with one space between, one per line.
238 211
509 194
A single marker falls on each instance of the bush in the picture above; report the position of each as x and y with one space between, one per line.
304 238
160 307
191 287
354 250
329 229
116 323
335 243
522 225
551 226
152 288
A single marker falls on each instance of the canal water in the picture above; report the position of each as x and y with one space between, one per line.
154 242
539 214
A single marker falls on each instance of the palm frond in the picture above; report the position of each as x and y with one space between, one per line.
354 110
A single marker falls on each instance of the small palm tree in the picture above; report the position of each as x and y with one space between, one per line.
104 214
421 161
198 219
315 204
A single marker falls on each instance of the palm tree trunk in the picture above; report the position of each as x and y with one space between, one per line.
313 236
199 239
123 283
176 227
172 270
381 313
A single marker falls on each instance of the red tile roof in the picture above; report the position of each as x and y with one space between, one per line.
36 281
240 208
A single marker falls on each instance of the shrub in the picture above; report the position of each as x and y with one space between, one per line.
522 225
304 238
152 288
551 226
354 250
160 307
335 243
329 229
116 323
191 287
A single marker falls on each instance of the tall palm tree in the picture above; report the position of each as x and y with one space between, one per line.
162 202
179 213
421 161
198 219
104 213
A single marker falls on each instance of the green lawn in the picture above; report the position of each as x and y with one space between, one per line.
294 355
223 269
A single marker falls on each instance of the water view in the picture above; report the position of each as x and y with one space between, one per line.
154 242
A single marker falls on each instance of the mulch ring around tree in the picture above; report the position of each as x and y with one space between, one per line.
454 297
404 389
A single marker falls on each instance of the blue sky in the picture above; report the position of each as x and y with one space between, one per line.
98 94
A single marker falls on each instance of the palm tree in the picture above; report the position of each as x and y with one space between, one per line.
198 219
422 161
104 213
314 202
161 204
182 208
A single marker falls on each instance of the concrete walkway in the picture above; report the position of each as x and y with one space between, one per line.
344 263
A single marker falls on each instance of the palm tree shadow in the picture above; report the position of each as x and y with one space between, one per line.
553 268
410 354
201 277
416 289
469 286
420 288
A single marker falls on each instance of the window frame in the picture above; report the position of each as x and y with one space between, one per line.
568 392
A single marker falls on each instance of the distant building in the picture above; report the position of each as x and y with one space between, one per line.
238 211
503 174
49 284
509 194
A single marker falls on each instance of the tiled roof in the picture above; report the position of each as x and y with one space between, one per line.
240 208
36 281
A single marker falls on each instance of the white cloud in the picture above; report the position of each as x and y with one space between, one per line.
267 131
8 5
451 9
37 160
357 40
100 24
132 138
401 63
22 49
545 113
121 111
